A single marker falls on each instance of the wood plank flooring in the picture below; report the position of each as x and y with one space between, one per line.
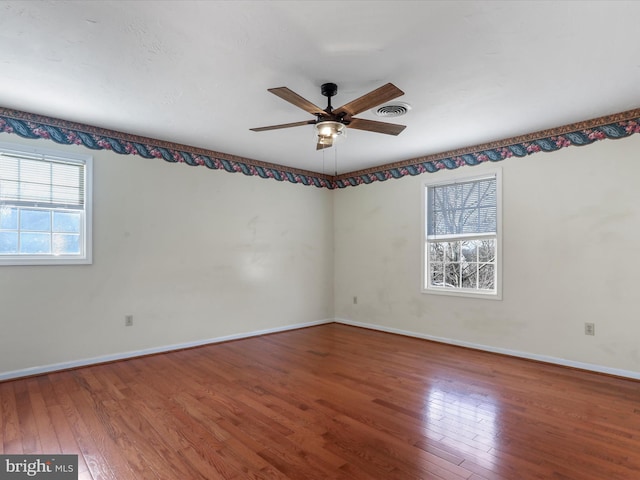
328 402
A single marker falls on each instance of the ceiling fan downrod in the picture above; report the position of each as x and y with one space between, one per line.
329 90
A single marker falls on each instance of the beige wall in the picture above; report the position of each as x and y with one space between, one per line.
571 226
196 254
192 254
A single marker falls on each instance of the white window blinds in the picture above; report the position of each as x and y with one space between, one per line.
466 208
41 181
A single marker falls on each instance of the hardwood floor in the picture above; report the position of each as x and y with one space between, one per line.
328 402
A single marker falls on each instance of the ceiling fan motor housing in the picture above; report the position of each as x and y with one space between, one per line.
329 89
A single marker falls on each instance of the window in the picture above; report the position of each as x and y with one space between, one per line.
45 207
462 236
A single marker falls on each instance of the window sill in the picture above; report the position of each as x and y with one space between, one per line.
463 293
44 261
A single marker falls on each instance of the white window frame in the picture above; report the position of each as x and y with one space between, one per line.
86 251
461 177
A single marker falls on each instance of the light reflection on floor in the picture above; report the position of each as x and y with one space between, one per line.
467 424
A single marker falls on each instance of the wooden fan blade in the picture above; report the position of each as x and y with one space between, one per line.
378 127
284 125
376 97
295 99
324 143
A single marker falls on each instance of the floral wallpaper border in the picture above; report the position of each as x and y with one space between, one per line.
32 126
619 125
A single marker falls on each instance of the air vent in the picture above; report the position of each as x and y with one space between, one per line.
392 110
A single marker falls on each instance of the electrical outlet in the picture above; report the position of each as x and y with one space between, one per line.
128 320
589 328
355 300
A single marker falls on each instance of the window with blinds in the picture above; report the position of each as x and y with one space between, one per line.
467 208
45 213
461 246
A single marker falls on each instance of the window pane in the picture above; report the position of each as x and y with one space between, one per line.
35 243
437 274
66 175
66 244
486 276
487 250
9 168
436 252
470 276
8 242
8 218
35 220
67 184
470 250
35 180
35 171
35 192
452 275
66 222
451 251
66 195
8 189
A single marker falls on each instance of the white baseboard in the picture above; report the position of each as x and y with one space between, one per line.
28 372
513 353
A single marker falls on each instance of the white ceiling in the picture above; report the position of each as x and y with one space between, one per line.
197 72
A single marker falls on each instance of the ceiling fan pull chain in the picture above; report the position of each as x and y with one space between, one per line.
324 170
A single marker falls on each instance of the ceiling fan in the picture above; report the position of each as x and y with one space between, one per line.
330 123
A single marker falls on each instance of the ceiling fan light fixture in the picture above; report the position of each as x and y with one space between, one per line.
330 129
